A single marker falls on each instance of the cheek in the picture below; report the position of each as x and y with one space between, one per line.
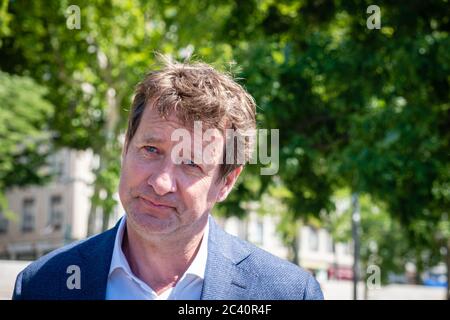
133 174
200 195
125 183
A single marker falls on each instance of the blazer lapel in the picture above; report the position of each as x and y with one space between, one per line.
96 253
224 279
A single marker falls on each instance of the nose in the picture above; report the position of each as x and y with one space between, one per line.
162 180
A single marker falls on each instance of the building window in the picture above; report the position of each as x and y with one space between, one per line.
313 239
259 232
242 231
348 247
56 214
330 243
56 165
28 215
3 224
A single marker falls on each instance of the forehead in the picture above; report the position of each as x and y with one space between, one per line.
153 125
155 128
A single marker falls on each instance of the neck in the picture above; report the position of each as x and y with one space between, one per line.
160 263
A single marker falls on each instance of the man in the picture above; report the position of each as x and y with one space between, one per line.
167 246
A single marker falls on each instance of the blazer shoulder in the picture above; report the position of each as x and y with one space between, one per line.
275 277
40 275
62 254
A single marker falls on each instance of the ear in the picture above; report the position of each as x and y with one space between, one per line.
228 183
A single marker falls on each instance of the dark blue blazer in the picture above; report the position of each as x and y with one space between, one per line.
235 270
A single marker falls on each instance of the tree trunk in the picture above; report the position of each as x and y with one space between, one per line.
105 222
91 228
294 247
419 268
448 267
110 130
366 289
355 235
91 220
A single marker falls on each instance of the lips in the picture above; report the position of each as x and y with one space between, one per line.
156 204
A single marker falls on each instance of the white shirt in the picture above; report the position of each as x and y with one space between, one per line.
124 285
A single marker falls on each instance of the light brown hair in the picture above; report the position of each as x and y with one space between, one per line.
195 91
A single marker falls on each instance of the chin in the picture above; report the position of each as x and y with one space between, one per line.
147 224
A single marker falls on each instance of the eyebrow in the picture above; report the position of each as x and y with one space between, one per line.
151 138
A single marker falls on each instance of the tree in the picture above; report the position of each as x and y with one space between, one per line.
24 133
360 108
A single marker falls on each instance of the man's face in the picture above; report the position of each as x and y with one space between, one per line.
160 196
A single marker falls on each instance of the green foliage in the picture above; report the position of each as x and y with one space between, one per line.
24 145
357 108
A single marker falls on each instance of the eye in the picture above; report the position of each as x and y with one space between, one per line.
151 149
190 163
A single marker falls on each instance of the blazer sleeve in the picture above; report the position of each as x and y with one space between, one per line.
313 290
17 293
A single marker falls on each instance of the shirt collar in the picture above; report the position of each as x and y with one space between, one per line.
197 267
118 260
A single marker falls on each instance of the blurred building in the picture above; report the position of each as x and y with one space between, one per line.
47 217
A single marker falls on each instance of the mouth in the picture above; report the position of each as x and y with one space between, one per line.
156 205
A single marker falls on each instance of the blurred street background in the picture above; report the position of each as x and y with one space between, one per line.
359 91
